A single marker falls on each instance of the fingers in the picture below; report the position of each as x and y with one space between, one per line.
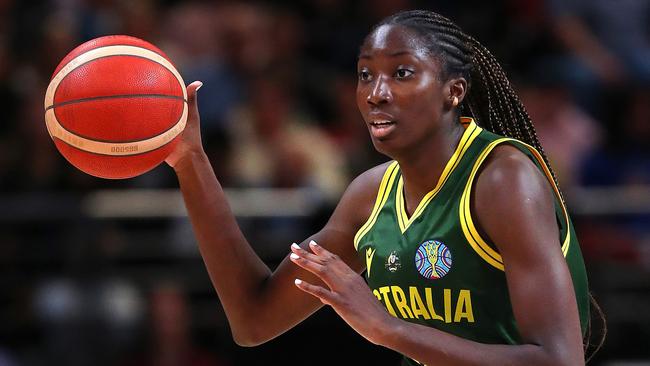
323 254
318 249
321 262
193 107
326 296
311 263
295 248
308 262
192 89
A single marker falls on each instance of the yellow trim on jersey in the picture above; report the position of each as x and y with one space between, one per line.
382 196
475 240
471 131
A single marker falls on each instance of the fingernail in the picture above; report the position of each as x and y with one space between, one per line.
296 246
199 87
294 256
297 281
313 243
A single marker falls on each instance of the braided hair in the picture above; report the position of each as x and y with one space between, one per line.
490 99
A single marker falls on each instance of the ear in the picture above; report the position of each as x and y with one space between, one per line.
455 90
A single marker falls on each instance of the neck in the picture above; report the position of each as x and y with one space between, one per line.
422 167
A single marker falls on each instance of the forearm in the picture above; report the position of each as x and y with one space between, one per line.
430 346
236 272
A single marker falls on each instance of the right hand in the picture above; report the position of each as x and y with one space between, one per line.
189 141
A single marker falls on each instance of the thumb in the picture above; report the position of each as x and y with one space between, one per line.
192 99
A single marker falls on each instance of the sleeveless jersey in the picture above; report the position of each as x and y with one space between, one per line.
434 268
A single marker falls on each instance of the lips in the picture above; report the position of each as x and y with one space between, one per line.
381 122
381 128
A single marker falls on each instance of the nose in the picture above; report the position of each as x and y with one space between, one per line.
380 92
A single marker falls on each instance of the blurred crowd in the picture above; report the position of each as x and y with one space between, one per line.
278 111
278 72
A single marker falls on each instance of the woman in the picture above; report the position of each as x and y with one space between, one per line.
470 256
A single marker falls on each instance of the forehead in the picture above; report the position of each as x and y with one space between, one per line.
390 39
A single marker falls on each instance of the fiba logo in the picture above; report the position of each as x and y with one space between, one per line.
433 259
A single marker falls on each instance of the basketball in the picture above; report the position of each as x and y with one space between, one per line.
115 106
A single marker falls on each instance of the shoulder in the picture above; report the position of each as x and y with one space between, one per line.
509 171
359 197
512 197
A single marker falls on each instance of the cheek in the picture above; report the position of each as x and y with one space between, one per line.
425 96
428 85
362 97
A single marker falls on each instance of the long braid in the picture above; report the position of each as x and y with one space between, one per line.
490 100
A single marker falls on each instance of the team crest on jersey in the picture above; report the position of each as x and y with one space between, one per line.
433 259
392 262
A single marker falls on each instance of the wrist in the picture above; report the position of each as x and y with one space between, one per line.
189 160
387 330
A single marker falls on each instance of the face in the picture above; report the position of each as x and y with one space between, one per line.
399 91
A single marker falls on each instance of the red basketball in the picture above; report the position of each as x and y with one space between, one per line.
115 107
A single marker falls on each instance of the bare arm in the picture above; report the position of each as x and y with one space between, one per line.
259 304
514 206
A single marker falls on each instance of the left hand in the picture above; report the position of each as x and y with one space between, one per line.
348 293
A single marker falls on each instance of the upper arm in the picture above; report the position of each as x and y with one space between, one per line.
284 305
514 206
352 211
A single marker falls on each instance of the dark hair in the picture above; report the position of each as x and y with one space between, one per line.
490 98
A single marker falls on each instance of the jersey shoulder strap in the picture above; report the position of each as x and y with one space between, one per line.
480 245
382 195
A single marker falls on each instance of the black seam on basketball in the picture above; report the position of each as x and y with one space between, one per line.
107 56
124 96
116 156
121 141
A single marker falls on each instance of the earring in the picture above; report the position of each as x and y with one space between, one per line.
455 102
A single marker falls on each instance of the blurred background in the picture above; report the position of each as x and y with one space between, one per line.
105 272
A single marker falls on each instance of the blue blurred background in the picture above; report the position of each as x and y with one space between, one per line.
106 272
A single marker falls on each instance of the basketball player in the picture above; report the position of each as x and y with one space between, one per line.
469 254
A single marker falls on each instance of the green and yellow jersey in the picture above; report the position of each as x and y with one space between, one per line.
434 268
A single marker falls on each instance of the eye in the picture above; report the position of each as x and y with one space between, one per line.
403 73
364 75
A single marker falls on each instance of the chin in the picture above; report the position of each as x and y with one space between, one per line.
385 146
